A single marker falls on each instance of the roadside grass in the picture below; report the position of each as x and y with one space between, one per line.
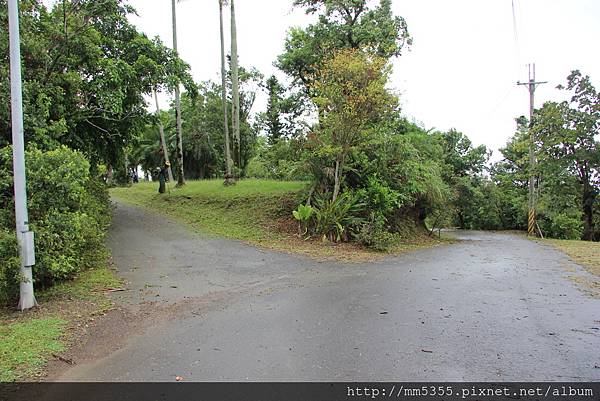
29 339
585 254
254 211
246 211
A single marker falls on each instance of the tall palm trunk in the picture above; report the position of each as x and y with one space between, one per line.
228 159
180 178
163 143
235 93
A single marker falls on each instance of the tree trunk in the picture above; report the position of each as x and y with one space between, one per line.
588 212
235 85
109 175
180 177
228 160
163 142
336 183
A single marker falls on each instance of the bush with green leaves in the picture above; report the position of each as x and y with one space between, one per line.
9 266
69 211
337 220
376 235
561 226
303 215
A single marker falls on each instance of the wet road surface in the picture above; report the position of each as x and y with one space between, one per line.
492 307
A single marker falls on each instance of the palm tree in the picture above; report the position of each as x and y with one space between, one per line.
235 93
163 143
228 176
180 178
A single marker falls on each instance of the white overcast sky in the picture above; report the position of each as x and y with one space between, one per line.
460 72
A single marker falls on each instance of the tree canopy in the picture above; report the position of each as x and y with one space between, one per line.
86 71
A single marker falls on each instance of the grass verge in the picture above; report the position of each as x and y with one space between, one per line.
29 339
585 254
254 211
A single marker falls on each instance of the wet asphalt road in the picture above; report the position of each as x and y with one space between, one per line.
492 307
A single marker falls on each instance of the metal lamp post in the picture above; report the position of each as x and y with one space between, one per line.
24 236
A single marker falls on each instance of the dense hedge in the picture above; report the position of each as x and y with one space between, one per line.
69 211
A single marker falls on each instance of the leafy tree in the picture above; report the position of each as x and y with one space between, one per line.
464 166
510 175
352 96
342 24
567 133
203 130
86 70
272 117
283 109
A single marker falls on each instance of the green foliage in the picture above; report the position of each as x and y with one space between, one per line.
283 160
375 235
203 132
563 226
279 121
345 24
69 211
85 71
353 100
9 266
337 219
567 134
303 213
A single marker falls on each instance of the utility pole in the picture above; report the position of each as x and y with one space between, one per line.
531 86
24 236
180 177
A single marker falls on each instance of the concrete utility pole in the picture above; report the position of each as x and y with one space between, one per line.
531 85
24 236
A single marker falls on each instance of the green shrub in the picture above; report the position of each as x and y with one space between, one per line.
374 235
9 266
337 220
563 226
69 211
67 243
379 199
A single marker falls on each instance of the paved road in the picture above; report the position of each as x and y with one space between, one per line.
491 307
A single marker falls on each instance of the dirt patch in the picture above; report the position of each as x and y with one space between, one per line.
116 328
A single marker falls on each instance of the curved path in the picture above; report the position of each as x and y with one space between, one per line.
493 307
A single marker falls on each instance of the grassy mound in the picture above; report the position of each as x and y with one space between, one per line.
248 211
254 211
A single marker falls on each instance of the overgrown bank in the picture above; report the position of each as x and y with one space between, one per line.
255 211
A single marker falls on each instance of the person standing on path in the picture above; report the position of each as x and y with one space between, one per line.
162 177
